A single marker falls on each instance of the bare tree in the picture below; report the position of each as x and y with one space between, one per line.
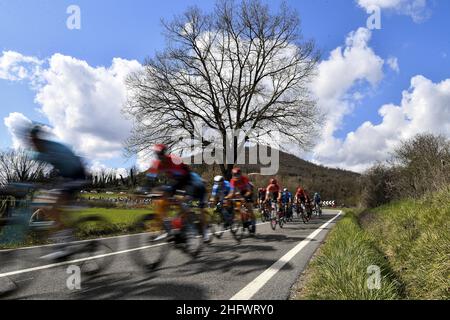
241 67
422 160
18 166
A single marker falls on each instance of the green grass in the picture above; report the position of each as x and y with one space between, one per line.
119 221
409 240
415 236
340 270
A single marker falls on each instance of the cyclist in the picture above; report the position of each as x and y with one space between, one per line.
300 198
68 166
317 201
261 197
221 189
273 192
241 185
183 179
71 176
286 201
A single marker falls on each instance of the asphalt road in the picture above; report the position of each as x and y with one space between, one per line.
264 267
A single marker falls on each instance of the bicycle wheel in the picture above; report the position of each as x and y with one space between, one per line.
152 243
96 252
281 221
263 216
217 224
193 236
273 220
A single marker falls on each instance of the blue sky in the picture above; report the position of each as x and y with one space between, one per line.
131 30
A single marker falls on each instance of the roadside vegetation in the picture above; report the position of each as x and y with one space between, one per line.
403 228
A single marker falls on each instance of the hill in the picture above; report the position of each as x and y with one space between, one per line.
333 184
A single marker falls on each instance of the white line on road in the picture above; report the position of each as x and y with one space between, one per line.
253 287
59 264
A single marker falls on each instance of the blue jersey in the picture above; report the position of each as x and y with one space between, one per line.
62 159
286 197
317 198
221 192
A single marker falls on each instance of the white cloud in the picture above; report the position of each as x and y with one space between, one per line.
16 124
345 69
17 67
393 64
82 103
425 108
416 9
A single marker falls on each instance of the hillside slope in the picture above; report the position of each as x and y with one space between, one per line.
333 184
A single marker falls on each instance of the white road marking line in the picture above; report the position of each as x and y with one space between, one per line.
73 242
253 287
54 265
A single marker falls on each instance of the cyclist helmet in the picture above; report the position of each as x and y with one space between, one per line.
237 172
160 149
285 190
218 179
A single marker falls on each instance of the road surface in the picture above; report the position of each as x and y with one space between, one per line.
264 267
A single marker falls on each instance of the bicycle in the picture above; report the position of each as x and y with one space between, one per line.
302 212
317 210
242 219
287 213
39 219
222 220
276 217
265 213
183 231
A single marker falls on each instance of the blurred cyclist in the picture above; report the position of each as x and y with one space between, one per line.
286 200
68 166
273 192
261 197
183 179
241 185
317 199
220 190
71 179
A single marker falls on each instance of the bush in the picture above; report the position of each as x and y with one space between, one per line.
418 166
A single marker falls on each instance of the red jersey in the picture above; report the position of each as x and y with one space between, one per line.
272 188
242 184
173 167
300 193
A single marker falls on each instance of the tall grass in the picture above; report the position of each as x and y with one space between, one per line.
340 270
408 239
415 236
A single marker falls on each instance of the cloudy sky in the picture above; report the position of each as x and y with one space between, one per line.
375 87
